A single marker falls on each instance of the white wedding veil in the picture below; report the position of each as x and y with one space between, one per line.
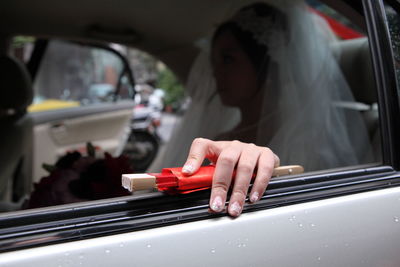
305 86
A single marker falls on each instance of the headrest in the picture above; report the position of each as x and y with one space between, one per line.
354 58
16 91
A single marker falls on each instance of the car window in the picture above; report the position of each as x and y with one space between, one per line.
72 75
339 131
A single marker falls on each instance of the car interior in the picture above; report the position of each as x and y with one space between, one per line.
16 135
354 59
93 21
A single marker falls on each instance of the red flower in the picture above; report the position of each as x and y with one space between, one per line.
75 178
102 179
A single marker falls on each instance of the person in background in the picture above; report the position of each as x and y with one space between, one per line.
270 82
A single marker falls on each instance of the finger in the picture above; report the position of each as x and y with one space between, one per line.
214 150
266 163
197 154
244 172
223 175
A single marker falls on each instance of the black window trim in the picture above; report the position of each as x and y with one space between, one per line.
41 227
382 58
60 224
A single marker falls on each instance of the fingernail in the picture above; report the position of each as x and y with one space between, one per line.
187 169
217 204
254 197
235 209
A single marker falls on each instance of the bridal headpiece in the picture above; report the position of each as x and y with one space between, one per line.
266 30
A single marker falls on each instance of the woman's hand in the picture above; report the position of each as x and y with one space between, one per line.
228 155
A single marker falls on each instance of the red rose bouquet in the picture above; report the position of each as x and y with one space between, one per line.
76 178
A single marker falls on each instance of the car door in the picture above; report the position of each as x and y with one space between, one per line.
341 217
77 100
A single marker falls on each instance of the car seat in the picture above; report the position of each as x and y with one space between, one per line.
354 59
16 132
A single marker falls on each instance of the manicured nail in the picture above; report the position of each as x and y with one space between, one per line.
235 209
188 169
254 197
217 204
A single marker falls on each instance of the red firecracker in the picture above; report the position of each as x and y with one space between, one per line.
172 180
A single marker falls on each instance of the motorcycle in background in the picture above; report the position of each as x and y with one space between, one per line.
143 142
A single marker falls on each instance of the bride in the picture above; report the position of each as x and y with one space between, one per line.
269 78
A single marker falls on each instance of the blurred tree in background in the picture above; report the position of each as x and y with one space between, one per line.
174 91
21 47
149 70
20 41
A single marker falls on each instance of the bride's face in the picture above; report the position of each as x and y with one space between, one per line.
235 74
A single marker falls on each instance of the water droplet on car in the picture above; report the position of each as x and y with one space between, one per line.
108 251
396 219
300 225
121 245
319 258
212 250
149 246
312 225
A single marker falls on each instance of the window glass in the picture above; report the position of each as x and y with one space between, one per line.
301 85
72 75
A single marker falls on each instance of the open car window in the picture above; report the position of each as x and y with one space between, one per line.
321 112
340 130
